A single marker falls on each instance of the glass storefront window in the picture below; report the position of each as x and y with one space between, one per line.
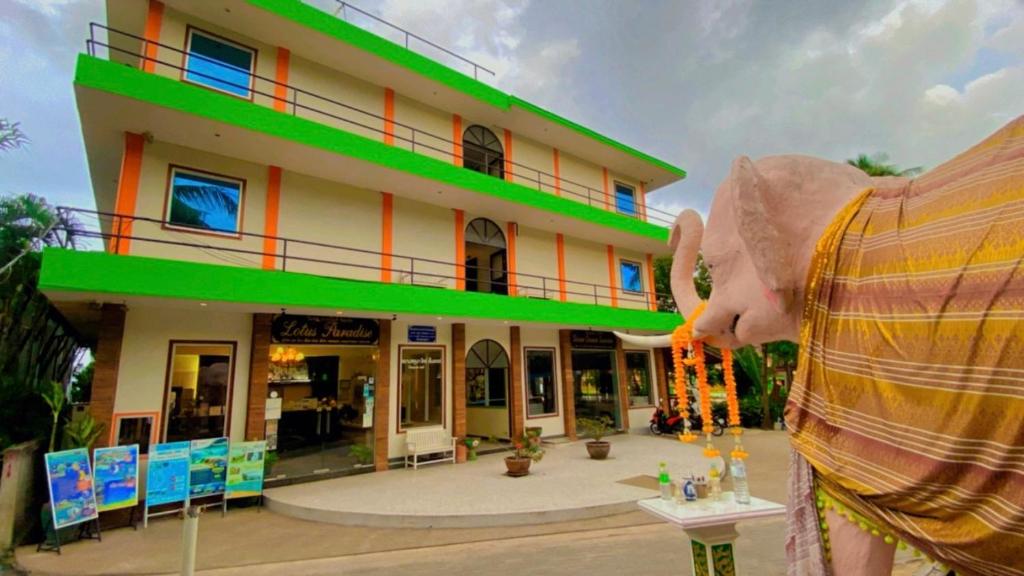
421 386
638 374
198 390
540 382
487 375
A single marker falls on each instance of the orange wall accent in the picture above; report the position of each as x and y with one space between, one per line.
652 297
281 76
560 248
457 139
389 116
154 19
607 192
558 176
271 217
642 203
460 250
387 203
509 168
613 286
512 232
127 191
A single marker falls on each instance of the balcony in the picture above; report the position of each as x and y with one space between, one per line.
310 104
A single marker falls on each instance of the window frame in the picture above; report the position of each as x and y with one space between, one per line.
507 399
554 379
615 189
187 52
502 159
165 420
154 431
640 276
166 223
444 387
651 384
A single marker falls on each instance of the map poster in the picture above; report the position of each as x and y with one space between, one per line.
167 476
116 471
245 469
208 469
72 495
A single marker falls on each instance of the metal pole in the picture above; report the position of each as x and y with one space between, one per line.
189 539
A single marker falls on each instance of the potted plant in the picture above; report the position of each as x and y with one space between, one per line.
534 430
525 450
362 453
471 445
596 429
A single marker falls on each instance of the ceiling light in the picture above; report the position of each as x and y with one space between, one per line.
203 304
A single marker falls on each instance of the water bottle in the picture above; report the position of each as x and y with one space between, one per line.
740 489
664 482
715 484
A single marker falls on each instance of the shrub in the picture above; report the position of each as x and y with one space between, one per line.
750 412
594 428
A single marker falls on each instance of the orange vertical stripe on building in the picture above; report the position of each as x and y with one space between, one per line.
560 248
460 250
558 176
389 116
271 218
127 192
612 284
652 296
607 193
281 77
151 33
456 139
387 203
512 232
642 200
509 167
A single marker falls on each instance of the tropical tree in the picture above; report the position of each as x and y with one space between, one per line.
11 136
877 165
663 282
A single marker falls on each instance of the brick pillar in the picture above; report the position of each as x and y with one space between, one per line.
459 386
108 358
568 388
381 397
515 381
259 374
661 377
620 362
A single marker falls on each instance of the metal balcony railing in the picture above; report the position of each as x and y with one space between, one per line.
316 106
115 231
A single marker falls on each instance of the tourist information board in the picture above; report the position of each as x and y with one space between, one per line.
72 492
245 469
116 471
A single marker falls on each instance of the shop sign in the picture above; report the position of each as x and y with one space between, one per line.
290 329
422 334
592 339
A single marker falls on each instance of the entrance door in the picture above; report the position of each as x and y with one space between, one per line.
486 265
487 392
595 384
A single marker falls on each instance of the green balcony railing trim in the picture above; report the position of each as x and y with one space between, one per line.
138 276
99 74
320 21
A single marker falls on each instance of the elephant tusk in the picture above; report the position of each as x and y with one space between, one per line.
658 341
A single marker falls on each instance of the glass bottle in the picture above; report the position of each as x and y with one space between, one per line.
715 484
664 482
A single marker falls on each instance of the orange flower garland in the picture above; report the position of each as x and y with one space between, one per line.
704 389
734 407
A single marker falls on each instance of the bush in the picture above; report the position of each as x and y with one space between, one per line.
750 412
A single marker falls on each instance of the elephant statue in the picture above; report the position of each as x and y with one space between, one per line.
906 296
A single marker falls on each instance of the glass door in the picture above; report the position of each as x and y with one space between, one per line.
595 385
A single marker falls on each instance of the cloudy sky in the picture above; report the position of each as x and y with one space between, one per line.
695 83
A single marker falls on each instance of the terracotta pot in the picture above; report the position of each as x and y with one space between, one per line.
517 466
460 452
598 450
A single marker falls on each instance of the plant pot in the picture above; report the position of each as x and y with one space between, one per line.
460 452
534 431
598 450
517 466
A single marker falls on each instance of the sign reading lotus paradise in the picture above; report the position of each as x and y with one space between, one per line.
72 495
291 329
208 468
117 477
167 475
245 469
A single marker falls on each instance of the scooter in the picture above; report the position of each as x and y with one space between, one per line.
665 423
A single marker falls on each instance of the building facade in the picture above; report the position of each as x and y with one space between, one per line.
309 233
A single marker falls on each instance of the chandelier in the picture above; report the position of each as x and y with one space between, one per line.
289 357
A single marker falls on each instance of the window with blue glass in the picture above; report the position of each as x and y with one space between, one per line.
625 199
206 202
219 64
631 279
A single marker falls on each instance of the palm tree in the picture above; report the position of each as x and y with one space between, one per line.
876 166
11 136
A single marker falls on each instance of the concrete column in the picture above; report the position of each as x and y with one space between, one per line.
108 358
259 373
515 382
381 395
459 385
661 377
568 400
620 370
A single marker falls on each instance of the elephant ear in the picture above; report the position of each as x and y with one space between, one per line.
758 227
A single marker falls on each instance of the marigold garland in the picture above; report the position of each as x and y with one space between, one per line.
738 452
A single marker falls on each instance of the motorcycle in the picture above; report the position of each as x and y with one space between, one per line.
673 423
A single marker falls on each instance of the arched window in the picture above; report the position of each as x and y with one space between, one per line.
486 266
482 151
487 375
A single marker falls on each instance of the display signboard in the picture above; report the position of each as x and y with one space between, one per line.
592 339
72 493
167 474
208 467
422 334
245 469
116 472
292 329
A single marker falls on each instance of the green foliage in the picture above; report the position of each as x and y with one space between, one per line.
594 428
269 460
751 414
81 384
362 453
53 395
527 446
749 362
702 279
663 282
81 432
11 136
877 166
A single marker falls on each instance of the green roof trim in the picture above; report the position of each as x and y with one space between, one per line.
70 271
325 23
99 74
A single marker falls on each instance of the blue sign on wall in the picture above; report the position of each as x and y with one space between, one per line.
422 334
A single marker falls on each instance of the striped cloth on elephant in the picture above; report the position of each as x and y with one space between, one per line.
909 400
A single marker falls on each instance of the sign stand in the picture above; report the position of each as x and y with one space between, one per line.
69 479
